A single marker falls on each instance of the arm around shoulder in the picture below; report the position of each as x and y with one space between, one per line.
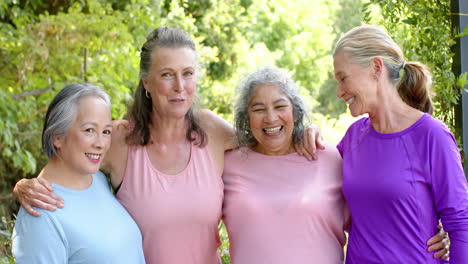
115 161
218 129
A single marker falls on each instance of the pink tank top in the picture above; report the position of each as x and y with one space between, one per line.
178 215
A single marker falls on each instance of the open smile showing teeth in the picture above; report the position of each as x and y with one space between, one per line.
350 100
272 130
93 156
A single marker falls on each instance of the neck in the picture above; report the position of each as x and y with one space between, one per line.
57 172
392 114
258 148
168 130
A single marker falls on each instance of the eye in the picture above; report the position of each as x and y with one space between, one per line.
189 73
89 130
258 110
107 132
166 74
281 106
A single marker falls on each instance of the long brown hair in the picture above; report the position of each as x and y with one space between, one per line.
140 111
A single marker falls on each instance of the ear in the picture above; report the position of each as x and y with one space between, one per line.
58 141
377 66
145 83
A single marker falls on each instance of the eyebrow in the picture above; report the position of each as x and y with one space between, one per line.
339 73
95 124
275 102
172 69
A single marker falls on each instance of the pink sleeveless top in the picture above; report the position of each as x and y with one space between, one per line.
178 215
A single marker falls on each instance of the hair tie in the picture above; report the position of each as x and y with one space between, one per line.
403 64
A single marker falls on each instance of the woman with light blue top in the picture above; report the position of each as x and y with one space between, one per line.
93 227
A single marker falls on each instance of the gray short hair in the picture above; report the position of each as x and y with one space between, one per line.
62 112
282 80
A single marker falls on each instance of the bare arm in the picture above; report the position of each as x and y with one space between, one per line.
218 129
115 161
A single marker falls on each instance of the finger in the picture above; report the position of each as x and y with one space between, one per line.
298 150
41 191
436 246
437 238
445 256
320 142
304 152
440 253
30 210
51 199
309 144
307 155
45 183
42 205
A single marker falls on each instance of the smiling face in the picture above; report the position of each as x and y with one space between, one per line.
87 140
357 85
172 81
271 120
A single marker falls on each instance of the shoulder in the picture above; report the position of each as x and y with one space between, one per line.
36 225
100 178
219 131
359 125
438 136
353 134
433 130
330 151
210 122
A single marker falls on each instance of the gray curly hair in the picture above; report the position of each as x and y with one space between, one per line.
246 88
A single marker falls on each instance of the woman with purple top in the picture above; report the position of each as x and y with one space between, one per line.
401 167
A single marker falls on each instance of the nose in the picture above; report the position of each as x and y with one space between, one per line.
179 84
339 92
270 116
99 141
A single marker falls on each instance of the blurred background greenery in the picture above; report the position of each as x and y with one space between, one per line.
46 44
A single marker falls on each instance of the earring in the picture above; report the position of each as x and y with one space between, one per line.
147 94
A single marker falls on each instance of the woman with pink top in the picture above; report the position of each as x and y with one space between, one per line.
278 207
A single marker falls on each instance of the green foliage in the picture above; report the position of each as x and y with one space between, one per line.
423 29
224 248
347 15
48 44
6 230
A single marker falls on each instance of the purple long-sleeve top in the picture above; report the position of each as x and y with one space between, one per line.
397 186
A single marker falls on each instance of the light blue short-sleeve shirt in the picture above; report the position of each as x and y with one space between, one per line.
93 227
